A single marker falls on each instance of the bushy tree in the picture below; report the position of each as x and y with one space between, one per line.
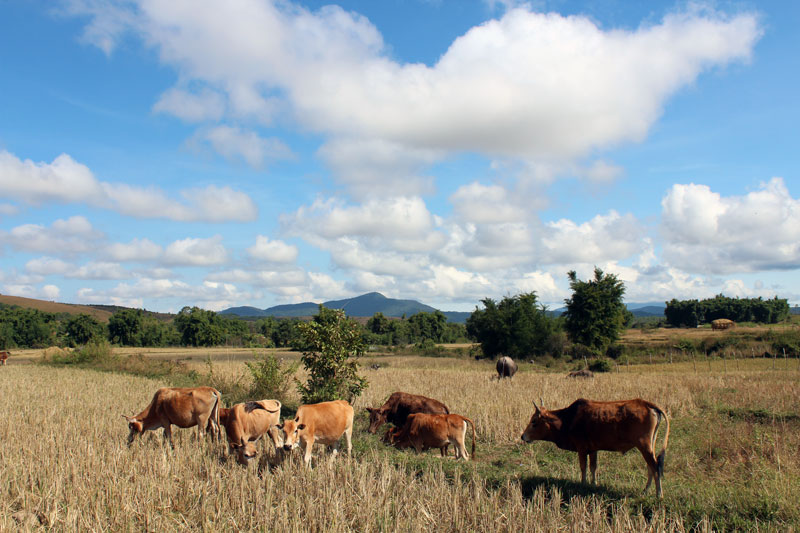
333 343
518 327
199 327
125 327
26 328
595 313
82 328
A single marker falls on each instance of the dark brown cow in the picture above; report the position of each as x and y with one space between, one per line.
506 367
585 373
185 407
424 431
246 423
399 406
4 358
587 427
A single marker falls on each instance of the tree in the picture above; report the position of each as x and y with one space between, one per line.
199 327
518 327
125 327
82 328
595 313
333 343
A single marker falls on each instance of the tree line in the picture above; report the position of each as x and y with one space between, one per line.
692 313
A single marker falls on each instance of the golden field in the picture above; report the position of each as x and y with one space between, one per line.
732 462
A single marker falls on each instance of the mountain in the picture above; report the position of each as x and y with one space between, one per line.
639 310
365 305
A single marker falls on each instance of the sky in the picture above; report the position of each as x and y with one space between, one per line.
260 152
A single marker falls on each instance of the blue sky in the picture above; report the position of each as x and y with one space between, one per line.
256 152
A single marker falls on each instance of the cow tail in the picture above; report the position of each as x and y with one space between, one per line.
473 436
662 453
216 432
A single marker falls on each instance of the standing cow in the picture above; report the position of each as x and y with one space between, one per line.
399 406
323 422
185 407
506 367
587 427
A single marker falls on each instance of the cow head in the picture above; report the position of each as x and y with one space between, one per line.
377 418
292 430
542 426
135 427
245 450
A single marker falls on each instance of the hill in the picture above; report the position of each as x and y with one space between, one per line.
365 305
101 315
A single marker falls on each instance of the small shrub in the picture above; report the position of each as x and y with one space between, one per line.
428 348
95 353
271 378
615 351
601 365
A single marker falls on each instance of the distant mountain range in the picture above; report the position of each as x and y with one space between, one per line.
368 304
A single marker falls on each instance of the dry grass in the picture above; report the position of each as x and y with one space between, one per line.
65 465
55 307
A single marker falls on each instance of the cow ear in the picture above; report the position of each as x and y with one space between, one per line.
301 426
279 426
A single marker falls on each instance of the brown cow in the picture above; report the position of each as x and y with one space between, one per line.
587 426
584 373
246 423
424 431
4 358
324 423
184 407
506 367
399 406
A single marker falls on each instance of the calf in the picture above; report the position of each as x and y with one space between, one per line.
246 423
424 431
4 358
587 427
324 423
399 406
184 407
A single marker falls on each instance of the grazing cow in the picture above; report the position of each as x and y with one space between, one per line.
722 323
4 358
506 367
246 423
585 373
184 407
324 423
587 426
424 431
399 406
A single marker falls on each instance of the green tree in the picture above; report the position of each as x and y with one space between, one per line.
518 327
82 328
125 327
199 327
333 343
595 313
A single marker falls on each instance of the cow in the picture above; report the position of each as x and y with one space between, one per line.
722 323
506 367
323 422
424 431
399 406
246 423
4 358
588 426
183 406
585 373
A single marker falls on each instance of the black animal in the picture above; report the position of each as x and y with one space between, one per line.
506 367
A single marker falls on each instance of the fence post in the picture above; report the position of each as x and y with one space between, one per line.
694 362
785 360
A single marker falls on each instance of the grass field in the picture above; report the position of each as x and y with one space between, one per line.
733 461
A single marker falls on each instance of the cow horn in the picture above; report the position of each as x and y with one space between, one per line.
541 402
536 406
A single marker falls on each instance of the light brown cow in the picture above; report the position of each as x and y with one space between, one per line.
184 407
424 431
324 423
4 358
246 423
587 427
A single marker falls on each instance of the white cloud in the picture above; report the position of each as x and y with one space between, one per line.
235 143
45 292
272 251
196 252
603 238
67 181
191 107
47 266
528 85
8 209
69 236
488 204
138 250
705 232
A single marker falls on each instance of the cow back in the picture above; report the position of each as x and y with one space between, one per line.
402 404
611 426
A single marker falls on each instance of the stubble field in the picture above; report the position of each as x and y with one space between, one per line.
732 461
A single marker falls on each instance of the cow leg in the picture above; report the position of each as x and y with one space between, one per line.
307 446
652 468
582 462
593 466
348 439
168 434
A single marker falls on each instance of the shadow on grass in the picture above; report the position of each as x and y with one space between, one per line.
568 488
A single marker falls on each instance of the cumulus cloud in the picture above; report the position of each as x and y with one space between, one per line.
235 143
487 204
196 252
705 232
526 85
190 106
138 250
66 181
272 251
73 235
